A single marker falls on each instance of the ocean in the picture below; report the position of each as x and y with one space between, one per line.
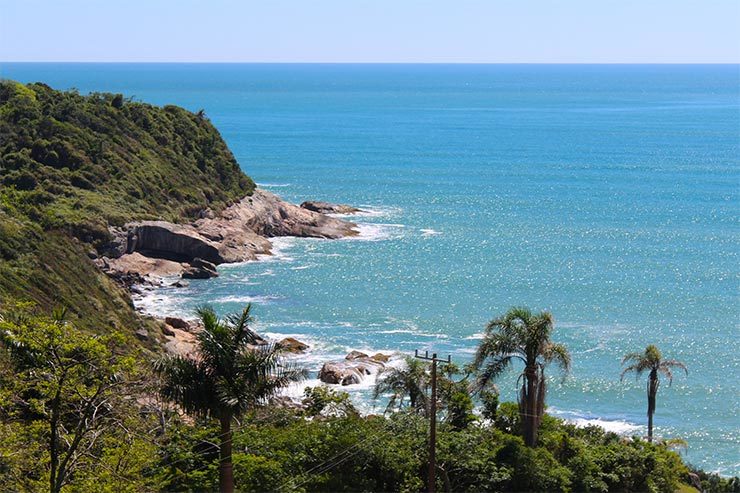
607 194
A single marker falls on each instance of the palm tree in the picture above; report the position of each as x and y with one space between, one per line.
651 360
410 380
521 335
227 376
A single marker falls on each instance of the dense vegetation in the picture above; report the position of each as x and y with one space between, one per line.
73 165
58 383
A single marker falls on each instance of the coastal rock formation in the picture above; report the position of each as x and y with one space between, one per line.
328 207
355 355
238 234
292 345
266 214
161 239
200 269
350 371
177 323
380 357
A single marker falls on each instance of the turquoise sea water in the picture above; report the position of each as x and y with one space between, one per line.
606 194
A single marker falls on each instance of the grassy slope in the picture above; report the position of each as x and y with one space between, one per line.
72 165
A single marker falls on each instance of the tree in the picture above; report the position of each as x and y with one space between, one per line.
68 390
230 374
651 360
117 101
410 380
522 335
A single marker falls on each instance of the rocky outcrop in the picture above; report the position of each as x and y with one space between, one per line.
352 370
353 355
200 269
292 345
266 214
380 357
329 208
177 323
238 234
161 239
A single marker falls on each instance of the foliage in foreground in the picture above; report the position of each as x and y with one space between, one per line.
67 407
283 451
232 374
131 442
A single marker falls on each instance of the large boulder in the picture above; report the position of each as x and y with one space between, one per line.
171 241
200 269
348 372
177 323
328 207
380 357
293 345
355 355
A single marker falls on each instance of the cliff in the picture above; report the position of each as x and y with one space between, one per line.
88 181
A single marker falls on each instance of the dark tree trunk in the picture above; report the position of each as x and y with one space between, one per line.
652 392
225 470
528 405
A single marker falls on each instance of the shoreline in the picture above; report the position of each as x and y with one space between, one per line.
315 356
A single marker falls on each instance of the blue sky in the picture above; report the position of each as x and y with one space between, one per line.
488 31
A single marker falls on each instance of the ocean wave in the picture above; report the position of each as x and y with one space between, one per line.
376 232
619 427
372 211
247 299
274 185
475 337
430 232
582 420
158 303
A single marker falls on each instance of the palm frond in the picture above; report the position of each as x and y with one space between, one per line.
492 371
187 383
239 323
674 363
558 354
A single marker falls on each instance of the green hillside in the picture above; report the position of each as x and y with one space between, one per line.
71 165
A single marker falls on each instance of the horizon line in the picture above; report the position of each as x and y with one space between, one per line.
197 62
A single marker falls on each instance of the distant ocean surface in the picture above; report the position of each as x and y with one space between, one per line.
606 194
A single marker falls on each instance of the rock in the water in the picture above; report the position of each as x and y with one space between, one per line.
355 355
266 214
348 372
380 357
177 323
292 345
200 269
328 207
180 284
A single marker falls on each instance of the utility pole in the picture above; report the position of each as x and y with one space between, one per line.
432 416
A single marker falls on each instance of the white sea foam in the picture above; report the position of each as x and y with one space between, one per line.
158 303
430 232
273 185
475 337
371 211
583 419
247 299
619 427
376 232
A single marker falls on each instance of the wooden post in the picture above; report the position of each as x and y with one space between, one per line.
432 482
